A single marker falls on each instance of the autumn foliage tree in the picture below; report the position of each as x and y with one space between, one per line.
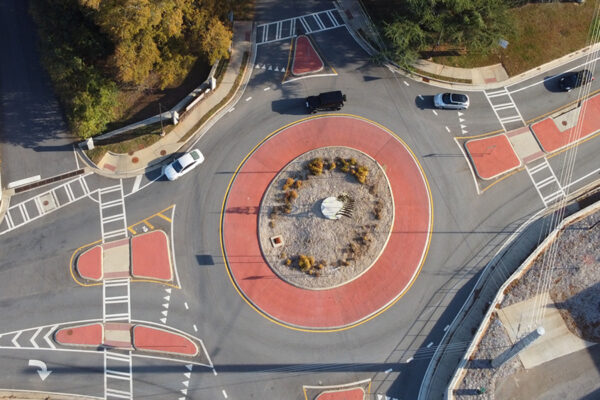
94 48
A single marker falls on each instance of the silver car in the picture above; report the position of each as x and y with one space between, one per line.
451 101
183 164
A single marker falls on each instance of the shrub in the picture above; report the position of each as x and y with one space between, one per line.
361 174
288 183
287 208
344 165
315 166
288 262
298 184
352 161
305 262
332 165
290 196
271 224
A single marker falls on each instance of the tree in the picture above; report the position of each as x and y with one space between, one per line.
407 38
216 41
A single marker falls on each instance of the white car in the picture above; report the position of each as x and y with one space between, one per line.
183 164
451 101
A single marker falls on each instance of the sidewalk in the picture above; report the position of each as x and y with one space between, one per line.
124 165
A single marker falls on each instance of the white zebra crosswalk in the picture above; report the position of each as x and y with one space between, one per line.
505 109
545 182
285 29
36 207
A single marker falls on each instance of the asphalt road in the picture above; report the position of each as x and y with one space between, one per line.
254 358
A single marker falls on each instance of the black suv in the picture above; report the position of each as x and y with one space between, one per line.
328 101
574 79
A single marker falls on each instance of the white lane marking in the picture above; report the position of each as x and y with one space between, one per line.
76 159
163 320
24 181
387 371
249 98
410 359
32 340
267 88
195 328
187 374
186 305
168 290
461 120
434 112
430 344
446 328
231 109
460 114
420 97
186 383
167 298
447 129
47 336
165 305
406 83
136 183
215 372
14 340
224 393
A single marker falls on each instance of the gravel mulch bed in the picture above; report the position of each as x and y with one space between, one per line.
575 288
306 231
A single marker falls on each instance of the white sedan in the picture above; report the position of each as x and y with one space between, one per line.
183 164
451 101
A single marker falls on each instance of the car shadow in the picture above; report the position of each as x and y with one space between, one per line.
424 102
294 106
551 83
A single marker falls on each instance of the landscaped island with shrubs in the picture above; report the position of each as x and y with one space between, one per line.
305 247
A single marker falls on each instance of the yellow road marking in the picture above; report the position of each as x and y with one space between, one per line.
163 217
424 257
71 265
149 224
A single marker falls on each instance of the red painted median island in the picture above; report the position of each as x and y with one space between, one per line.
306 59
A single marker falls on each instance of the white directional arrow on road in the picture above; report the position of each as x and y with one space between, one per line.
43 370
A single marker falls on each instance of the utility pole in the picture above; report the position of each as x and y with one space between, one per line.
162 130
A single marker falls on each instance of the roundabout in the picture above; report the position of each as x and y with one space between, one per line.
371 292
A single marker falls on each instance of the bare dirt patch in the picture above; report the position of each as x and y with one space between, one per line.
344 248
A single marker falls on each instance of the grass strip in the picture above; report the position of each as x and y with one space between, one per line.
543 32
440 77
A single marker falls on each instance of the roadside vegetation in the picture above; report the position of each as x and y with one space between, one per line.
467 33
106 56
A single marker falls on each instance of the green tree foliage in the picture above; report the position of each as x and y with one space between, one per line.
93 48
416 25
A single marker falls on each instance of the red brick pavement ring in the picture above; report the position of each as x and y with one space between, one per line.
383 284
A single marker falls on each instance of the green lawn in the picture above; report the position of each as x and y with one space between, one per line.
543 32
